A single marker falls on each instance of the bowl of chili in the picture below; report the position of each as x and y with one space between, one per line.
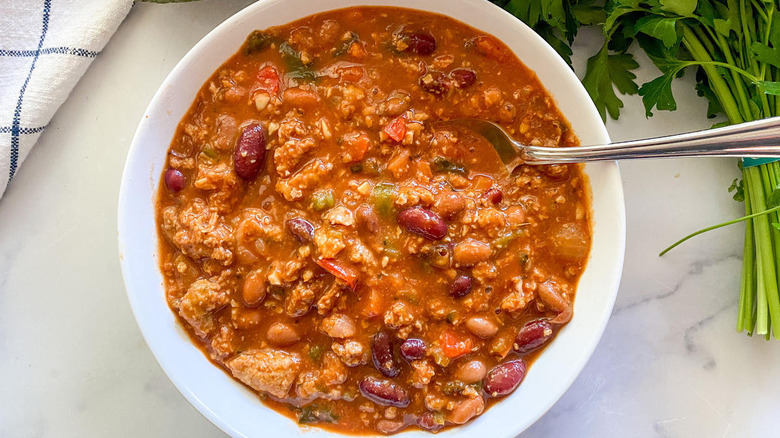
163 189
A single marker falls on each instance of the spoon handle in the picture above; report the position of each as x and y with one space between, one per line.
752 139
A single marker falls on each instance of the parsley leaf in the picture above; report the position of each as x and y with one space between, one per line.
665 29
684 8
768 87
603 71
764 53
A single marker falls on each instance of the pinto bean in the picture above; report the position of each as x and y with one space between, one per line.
471 372
282 335
552 296
301 229
467 409
384 392
533 335
482 326
413 349
419 42
504 378
338 326
367 219
469 252
450 204
463 77
254 289
249 155
383 355
461 286
300 97
389 426
174 180
423 222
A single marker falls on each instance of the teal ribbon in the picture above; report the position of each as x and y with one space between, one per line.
750 162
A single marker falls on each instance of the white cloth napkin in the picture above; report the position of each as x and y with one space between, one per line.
45 47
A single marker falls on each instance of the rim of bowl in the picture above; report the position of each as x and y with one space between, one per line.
611 171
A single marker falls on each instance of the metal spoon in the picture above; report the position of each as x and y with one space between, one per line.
752 139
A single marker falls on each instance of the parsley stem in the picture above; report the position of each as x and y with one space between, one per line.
721 225
717 83
747 293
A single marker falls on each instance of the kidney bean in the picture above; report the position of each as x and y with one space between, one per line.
428 422
467 409
419 42
282 335
471 372
383 355
174 180
533 335
470 252
301 229
249 155
504 378
423 222
384 392
366 218
461 286
494 195
413 349
482 326
463 77
433 82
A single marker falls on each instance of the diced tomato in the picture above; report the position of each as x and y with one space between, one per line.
454 345
268 79
343 272
396 129
356 146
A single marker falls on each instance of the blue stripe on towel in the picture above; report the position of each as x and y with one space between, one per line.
50 50
15 131
25 131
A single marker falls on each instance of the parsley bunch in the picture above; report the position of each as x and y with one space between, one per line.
733 48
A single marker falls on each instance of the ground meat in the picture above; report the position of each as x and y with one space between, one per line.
322 383
199 232
199 305
422 373
266 370
310 176
399 315
284 272
299 300
359 253
328 299
329 241
340 216
410 196
288 155
351 352
517 299
222 343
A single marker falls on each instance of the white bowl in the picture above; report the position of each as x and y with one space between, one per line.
231 406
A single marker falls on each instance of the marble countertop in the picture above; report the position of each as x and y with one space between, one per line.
74 363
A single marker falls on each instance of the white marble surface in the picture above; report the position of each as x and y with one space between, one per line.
73 363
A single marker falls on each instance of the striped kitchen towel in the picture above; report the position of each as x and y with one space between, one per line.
45 47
